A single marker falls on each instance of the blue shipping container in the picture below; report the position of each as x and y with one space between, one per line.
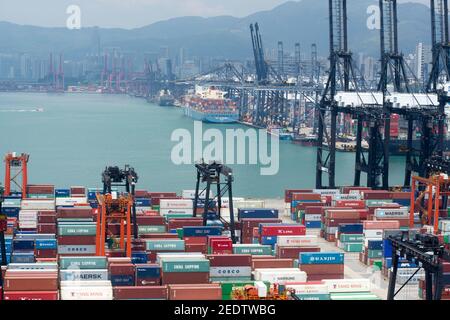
122 280
387 248
351 228
62 193
201 231
143 202
148 272
375 244
321 258
22 257
42 244
139 257
269 240
313 224
11 212
23 244
257 213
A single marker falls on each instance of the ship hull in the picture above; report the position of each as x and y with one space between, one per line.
211 117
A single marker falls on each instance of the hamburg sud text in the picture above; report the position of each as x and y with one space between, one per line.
214 311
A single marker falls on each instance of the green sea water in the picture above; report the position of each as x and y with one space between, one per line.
78 135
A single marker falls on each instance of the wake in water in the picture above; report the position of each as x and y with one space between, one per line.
23 110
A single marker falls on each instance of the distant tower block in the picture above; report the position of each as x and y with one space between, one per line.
16 173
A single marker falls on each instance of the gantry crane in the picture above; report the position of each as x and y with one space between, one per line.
3 227
128 178
16 167
114 209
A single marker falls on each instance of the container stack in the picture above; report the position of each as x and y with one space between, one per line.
143 205
219 245
196 238
336 216
122 272
40 191
351 237
46 222
401 215
300 201
23 249
373 241
184 269
350 289
157 246
249 224
312 217
290 247
11 206
148 275
230 267
150 225
86 278
176 208
76 231
31 282
323 265
269 233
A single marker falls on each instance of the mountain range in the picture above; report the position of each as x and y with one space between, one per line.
304 21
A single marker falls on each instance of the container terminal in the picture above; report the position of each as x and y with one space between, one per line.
329 242
121 241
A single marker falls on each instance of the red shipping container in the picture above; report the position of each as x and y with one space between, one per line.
184 278
31 295
75 212
202 293
141 194
293 252
196 247
49 228
288 194
196 240
283 230
180 223
354 204
230 260
316 209
381 224
347 214
221 246
76 240
146 220
272 263
133 293
318 277
312 269
377 194
121 269
47 253
306 196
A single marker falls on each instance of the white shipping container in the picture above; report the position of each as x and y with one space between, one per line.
28 215
347 285
33 266
176 204
350 196
143 209
308 288
226 202
313 217
280 276
249 204
28 224
327 192
190 194
297 241
444 225
165 212
70 201
37 204
373 233
87 293
401 213
100 283
262 289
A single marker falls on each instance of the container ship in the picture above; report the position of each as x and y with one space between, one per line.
210 105
165 99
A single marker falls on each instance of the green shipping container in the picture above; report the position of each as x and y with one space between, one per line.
446 238
261 250
353 247
151 229
374 254
83 262
317 296
229 279
354 296
227 288
185 266
376 202
377 265
165 245
155 208
77 230
351 237
41 196
180 233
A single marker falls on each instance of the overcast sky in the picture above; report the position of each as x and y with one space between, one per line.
128 13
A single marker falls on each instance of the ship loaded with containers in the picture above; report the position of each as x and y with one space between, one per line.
209 104
282 253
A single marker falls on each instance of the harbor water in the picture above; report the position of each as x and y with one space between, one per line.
71 138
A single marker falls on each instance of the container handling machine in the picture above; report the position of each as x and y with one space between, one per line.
211 175
426 252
